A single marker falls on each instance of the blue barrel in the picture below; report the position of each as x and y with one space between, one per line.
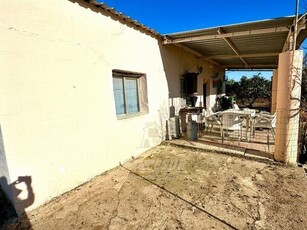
192 130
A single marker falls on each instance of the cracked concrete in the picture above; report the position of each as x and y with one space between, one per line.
178 188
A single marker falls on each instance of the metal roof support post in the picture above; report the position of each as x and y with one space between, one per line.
295 25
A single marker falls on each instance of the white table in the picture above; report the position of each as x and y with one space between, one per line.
247 114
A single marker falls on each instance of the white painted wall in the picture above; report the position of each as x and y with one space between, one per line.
57 108
57 111
178 61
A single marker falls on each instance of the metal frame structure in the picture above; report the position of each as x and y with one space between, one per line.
252 45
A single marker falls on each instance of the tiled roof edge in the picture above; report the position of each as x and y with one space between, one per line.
128 19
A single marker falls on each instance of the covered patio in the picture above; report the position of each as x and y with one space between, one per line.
252 45
243 130
261 146
261 45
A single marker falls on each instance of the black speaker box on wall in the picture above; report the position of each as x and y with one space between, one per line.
191 82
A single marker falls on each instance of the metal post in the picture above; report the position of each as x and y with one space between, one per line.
295 24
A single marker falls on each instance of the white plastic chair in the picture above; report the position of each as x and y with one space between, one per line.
252 111
266 121
231 121
211 119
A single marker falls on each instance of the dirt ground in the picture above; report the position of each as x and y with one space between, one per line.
171 187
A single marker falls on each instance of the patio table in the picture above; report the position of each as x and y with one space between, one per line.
247 114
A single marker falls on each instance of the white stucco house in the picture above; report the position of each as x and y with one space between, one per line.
84 87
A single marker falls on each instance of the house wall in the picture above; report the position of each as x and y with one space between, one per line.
57 110
178 61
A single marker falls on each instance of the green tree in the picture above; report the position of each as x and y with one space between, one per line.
231 87
250 89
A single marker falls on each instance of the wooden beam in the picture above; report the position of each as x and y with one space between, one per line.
232 46
226 35
199 55
257 66
223 56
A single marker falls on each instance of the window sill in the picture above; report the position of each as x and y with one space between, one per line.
123 117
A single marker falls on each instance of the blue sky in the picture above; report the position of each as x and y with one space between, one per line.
170 16
236 75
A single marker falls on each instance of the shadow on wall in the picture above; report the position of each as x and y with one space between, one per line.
15 197
23 197
177 62
174 65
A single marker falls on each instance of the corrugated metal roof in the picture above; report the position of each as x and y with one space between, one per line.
245 45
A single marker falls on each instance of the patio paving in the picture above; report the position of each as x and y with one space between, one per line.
171 187
260 145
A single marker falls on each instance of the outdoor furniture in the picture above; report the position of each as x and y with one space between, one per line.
231 121
252 112
262 112
266 121
208 119
246 116
199 120
235 106
212 120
